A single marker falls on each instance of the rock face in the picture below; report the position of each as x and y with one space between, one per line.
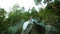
37 29
53 32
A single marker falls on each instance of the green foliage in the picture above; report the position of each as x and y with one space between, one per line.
34 13
2 20
14 17
26 15
49 15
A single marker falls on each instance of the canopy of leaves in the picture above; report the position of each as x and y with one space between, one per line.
2 20
51 15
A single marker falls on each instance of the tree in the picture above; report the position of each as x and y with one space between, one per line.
51 12
2 20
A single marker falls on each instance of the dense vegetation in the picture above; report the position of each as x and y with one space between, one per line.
51 15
